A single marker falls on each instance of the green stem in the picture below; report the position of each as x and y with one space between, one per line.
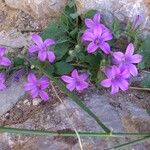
68 133
125 145
73 96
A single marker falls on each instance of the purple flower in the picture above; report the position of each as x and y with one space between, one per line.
128 60
37 86
4 61
18 74
98 39
91 23
2 81
76 81
41 47
116 79
137 22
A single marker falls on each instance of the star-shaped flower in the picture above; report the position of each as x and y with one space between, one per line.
37 87
76 81
117 78
42 47
128 59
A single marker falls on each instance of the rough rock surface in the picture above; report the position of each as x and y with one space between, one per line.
38 8
14 39
124 10
118 113
14 18
11 95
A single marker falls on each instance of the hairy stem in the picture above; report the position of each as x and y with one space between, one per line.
69 133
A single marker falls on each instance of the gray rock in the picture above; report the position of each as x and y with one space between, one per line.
119 118
14 39
135 119
11 95
38 8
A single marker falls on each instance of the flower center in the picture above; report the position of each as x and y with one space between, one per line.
97 41
39 86
77 82
44 48
126 60
116 77
123 59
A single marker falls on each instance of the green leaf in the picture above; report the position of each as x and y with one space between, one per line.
74 15
45 65
74 33
71 3
63 68
145 51
61 49
146 81
54 31
89 14
18 61
73 96
94 65
116 28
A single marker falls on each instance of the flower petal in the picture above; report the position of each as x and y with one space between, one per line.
118 56
42 55
75 74
133 70
5 61
2 87
124 71
114 89
44 95
115 70
97 30
105 47
108 72
71 86
44 82
34 93
97 18
89 23
2 51
29 86
2 78
34 48
130 50
136 58
51 56
104 28
37 39
84 76
106 83
124 85
67 79
106 36
88 36
31 77
49 42
82 86
92 47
